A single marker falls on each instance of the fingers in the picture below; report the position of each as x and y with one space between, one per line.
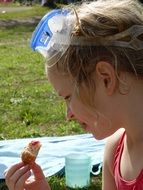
19 185
37 171
8 172
16 176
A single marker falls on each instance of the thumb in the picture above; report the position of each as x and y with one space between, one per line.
37 171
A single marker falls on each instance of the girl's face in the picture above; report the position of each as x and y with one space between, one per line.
91 120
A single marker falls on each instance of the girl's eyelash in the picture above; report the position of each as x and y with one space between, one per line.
67 98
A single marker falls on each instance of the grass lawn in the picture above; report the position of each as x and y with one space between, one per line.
28 105
22 12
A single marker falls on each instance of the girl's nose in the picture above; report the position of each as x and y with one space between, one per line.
70 115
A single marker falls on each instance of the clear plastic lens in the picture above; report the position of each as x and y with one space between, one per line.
53 33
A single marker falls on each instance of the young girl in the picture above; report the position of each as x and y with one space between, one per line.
95 62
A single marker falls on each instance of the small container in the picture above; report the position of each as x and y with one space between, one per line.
77 170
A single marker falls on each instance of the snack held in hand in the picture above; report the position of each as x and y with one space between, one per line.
30 152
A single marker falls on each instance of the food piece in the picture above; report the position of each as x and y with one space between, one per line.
30 152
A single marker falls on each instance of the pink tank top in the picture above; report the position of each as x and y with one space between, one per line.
136 184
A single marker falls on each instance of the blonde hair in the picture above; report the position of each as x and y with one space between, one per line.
102 19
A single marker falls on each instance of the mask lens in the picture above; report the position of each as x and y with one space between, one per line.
43 39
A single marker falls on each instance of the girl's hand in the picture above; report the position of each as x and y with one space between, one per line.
17 177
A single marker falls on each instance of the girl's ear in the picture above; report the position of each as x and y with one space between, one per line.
106 74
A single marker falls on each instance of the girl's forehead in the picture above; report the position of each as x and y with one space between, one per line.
63 84
57 76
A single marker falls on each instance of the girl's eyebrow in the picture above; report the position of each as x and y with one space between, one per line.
65 97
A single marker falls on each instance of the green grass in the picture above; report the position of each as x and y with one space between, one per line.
28 103
58 183
29 107
27 12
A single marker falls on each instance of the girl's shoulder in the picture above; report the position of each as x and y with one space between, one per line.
110 148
